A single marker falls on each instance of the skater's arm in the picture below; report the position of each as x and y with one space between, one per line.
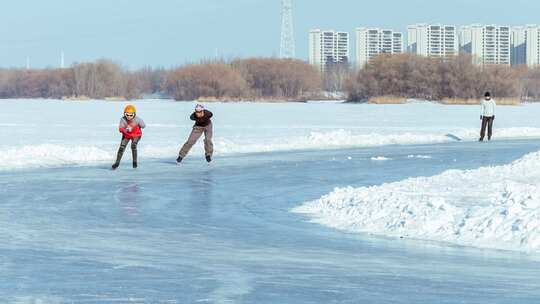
122 126
208 114
192 117
141 123
482 109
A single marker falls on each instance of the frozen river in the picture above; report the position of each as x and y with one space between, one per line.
224 234
75 232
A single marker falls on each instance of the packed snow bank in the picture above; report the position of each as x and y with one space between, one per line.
490 207
70 152
74 153
48 155
342 138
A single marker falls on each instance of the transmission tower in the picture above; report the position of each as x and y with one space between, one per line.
287 49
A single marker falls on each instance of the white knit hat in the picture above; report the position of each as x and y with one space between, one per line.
199 107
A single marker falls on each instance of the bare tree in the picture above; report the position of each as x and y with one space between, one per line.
336 76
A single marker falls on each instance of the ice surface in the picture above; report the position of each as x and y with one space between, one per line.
224 234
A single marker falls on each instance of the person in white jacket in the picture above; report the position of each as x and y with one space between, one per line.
487 116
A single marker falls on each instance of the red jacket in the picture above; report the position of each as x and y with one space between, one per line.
131 128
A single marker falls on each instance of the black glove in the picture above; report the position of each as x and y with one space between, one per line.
481 117
493 117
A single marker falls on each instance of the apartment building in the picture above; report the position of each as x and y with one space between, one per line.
371 42
488 44
328 47
532 42
433 40
518 45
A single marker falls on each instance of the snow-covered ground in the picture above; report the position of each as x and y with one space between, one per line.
45 133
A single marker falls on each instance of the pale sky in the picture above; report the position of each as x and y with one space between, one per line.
172 32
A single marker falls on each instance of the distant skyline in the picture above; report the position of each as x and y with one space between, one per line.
166 33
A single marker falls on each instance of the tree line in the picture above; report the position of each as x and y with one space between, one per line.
270 78
404 75
412 76
255 78
99 79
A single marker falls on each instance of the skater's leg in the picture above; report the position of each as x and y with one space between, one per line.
490 127
121 150
134 143
483 129
193 137
208 144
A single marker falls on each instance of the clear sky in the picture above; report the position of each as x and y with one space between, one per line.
172 32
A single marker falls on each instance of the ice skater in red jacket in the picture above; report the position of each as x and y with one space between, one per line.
131 128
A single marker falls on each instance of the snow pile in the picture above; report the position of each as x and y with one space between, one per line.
490 207
74 153
345 138
50 155
326 140
342 138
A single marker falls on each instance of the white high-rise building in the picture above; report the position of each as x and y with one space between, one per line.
433 40
488 44
328 47
518 45
371 42
532 40
397 42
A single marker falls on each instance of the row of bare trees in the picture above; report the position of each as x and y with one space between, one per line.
35 83
245 78
402 75
99 79
205 80
419 77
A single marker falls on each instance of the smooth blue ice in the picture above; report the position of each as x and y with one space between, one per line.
224 234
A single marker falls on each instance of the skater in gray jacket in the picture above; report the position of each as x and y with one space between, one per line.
487 116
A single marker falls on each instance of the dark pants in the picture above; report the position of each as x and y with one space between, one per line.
194 136
486 121
123 145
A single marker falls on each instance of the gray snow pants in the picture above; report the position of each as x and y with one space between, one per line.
196 133
123 145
